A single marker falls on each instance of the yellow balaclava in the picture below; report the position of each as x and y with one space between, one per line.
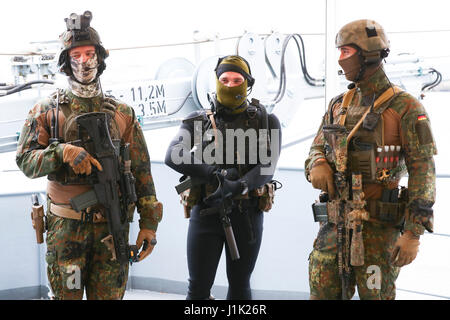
233 98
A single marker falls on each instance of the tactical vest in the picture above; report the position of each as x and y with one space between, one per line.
71 135
255 117
366 126
251 119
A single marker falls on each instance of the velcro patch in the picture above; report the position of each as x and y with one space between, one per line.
423 131
371 31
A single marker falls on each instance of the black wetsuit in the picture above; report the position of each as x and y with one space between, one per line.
206 236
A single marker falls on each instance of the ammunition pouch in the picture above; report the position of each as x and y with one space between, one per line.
364 161
371 164
387 213
266 195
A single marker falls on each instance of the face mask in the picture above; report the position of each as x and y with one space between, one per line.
232 97
351 67
90 90
84 72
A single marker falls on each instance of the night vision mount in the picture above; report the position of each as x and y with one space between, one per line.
76 22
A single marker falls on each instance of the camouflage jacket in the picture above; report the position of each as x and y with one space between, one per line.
37 158
417 143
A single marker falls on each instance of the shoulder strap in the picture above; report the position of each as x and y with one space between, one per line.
59 100
263 120
346 100
210 115
385 97
333 101
264 115
63 102
380 104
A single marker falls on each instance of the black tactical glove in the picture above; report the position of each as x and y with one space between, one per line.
227 189
230 174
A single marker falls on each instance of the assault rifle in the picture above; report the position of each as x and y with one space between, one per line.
224 210
112 189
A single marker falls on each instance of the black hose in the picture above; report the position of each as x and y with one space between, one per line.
302 56
435 82
310 80
3 86
24 86
181 105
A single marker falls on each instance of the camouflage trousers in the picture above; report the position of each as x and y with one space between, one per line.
77 260
375 280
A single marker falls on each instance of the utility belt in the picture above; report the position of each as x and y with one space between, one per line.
242 204
261 198
390 213
92 214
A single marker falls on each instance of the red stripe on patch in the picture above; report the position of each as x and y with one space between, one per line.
422 117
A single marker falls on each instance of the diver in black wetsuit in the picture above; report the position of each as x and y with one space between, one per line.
237 179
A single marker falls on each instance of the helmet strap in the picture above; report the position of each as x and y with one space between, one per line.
362 69
371 58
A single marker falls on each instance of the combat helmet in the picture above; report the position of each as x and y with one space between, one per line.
368 36
80 33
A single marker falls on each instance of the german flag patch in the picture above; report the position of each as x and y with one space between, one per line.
421 117
423 130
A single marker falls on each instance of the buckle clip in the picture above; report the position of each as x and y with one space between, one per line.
86 217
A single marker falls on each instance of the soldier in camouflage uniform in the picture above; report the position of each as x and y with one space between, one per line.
352 139
76 257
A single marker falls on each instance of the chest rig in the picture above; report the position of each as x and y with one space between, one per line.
255 117
246 127
362 135
71 133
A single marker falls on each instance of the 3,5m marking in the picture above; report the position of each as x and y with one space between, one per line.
150 101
